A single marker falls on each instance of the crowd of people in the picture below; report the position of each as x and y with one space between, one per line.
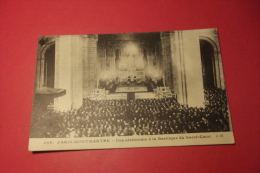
97 118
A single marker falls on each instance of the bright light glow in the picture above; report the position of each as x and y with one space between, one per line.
139 63
131 49
111 74
123 63
153 73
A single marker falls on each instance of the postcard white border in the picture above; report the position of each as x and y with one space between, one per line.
46 144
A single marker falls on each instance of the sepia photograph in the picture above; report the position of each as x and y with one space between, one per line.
127 90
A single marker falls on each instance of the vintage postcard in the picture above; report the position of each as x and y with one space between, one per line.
128 90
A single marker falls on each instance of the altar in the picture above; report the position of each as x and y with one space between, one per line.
131 89
131 76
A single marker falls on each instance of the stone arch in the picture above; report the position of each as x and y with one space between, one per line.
45 60
216 62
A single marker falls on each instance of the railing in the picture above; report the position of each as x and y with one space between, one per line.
164 92
98 94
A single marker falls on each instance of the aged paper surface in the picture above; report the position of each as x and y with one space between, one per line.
129 90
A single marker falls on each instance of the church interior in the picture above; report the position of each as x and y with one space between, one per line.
174 72
129 66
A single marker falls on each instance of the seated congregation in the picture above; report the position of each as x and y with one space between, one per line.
98 118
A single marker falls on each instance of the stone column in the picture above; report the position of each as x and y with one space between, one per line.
182 66
178 67
77 72
192 68
187 69
68 72
89 64
167 59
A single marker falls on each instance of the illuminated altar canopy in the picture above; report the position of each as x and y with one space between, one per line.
128 55
131 64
